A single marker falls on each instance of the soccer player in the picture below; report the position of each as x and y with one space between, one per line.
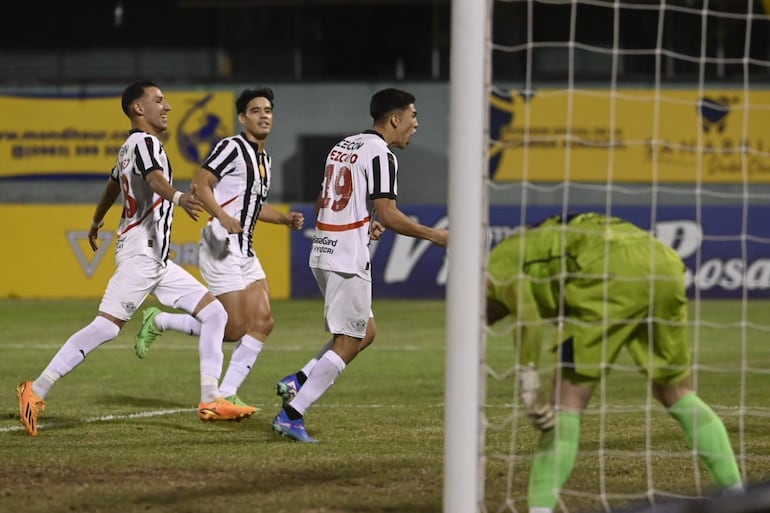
615 286
360 178
143 175
232 184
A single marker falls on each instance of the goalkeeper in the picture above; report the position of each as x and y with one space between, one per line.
612 285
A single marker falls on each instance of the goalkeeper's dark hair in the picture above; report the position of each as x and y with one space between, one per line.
132 93
386 101
249 94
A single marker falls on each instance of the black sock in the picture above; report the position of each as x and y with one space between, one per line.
301 377
292 413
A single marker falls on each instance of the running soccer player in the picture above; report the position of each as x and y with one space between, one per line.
233 185
614 285
360 179
143 175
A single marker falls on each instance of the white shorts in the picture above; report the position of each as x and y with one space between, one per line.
139 276
234 272
347 302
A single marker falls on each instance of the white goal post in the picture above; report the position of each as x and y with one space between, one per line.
469 75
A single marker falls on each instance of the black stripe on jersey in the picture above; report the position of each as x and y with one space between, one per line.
219 149
166 208
218 171
377 185
167 215
250 177
165 211
377 191
261 160
392 173
143 166
170 171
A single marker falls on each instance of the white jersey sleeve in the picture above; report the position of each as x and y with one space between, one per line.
145 223
358 169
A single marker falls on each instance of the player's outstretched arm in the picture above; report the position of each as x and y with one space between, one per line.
294 220
165 190
393 219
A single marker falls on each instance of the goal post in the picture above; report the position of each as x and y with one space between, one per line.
467 209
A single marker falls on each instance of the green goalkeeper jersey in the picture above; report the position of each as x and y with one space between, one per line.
529 270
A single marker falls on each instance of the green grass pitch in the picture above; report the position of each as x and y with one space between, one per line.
121 434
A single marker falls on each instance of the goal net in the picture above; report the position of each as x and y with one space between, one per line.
657 112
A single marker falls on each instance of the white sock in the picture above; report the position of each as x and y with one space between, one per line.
74 351
183 323
309 365
213 319
320 379
540 509
244 355
307 369
209 389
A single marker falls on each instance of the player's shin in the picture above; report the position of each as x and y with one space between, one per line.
706 433
554 460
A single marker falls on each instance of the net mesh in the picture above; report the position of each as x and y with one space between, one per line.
657 112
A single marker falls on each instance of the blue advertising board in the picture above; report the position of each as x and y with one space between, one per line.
726 248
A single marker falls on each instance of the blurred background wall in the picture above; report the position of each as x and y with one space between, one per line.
63 66
324 59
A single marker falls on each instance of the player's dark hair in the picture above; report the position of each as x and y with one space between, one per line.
386 101
249 94
133 93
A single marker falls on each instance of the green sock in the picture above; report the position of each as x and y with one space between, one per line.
706 434
554 460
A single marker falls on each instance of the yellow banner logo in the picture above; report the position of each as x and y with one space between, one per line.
76 136
66 266
630 136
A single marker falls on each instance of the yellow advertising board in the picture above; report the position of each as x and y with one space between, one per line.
676 135
54 259
43 136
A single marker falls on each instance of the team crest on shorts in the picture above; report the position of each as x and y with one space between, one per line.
358 324
129 307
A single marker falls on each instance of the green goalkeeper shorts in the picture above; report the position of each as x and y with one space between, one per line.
637 300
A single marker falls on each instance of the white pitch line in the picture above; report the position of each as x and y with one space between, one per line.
158 413
106 418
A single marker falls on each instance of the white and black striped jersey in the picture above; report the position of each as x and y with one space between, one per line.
145 224
359 168
243 174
